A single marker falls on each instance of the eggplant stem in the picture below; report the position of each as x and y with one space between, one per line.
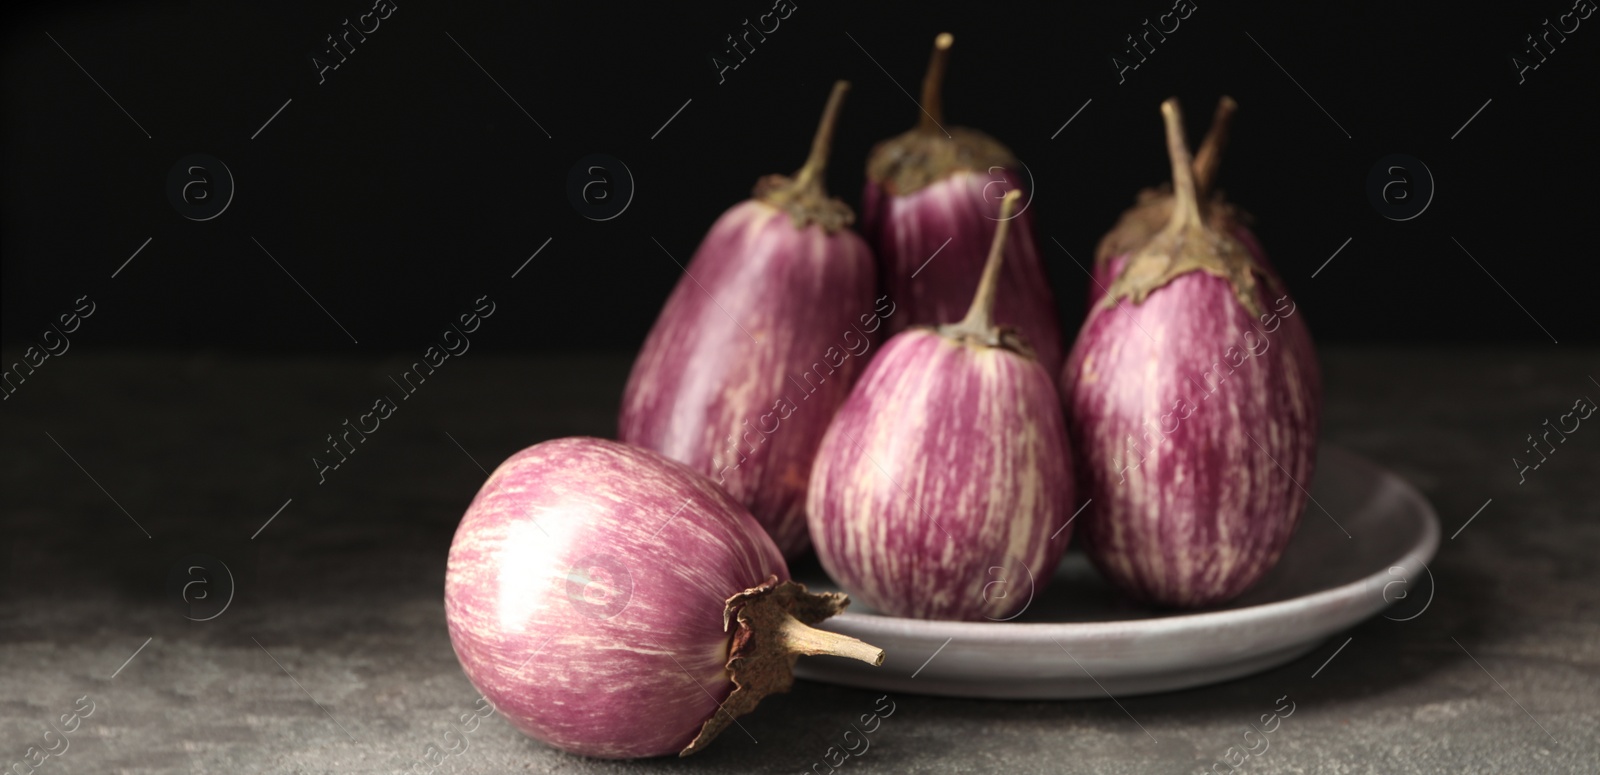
1209 157
800 638
774 621
933 84
816 166
1187 243
1185 199
980 316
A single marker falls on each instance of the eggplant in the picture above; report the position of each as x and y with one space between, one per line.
613 603
1193 398
760 342
942 488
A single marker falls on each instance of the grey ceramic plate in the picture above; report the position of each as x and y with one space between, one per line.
1080 638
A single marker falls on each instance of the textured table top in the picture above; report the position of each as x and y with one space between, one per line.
333 654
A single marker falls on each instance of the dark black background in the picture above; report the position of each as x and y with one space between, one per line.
408 184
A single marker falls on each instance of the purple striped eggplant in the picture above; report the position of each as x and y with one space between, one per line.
1193 397
760 342
613 603
1154 208
930 211
942 487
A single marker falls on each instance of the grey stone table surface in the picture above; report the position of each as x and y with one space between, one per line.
333 654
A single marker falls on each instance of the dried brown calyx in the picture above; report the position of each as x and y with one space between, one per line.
1154 206
930 152
805 195
773 629
1187 241
978 327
